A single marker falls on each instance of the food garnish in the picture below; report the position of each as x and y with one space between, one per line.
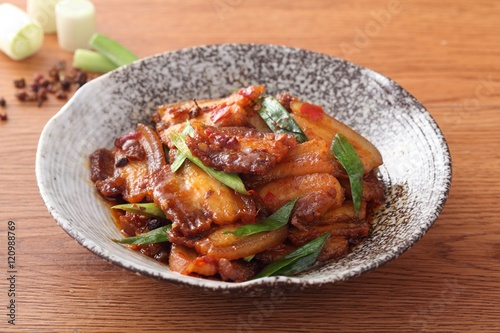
279 120
158 235
149 209
273 222
347 156
296 261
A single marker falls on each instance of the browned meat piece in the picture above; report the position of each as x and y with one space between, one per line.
312 205
334 248
312 156
193 200
285 99
125 171
373 188
236 270
358 229
234 110
274 253
186 261
237 149
342 222
102 164
102 170
111 188
133 224
317 193
344 213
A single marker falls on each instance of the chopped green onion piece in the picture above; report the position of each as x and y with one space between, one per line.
180 157
148 209
279 119
349 159
158 235
91 61
111 49
229 179
249 258
299 260
273 222
178 161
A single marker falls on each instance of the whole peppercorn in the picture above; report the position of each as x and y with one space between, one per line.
21 83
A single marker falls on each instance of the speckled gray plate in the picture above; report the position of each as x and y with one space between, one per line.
416 170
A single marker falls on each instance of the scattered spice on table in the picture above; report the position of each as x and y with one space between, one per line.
58 81
3 105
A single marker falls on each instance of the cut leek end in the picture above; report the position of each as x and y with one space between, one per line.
91 61
26 42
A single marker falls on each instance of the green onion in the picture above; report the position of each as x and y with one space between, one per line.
279 119
91 61
273 222
148 209
180 157
111 49
299 260
249 258
347 156
158 235
229 179
178 161
20 37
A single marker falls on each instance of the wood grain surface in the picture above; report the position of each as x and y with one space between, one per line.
446 53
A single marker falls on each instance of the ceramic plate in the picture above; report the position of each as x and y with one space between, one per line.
416 170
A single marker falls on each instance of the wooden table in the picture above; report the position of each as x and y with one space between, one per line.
446 53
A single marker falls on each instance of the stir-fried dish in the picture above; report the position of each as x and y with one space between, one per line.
241 187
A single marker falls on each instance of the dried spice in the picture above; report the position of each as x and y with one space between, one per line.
3 105
58 82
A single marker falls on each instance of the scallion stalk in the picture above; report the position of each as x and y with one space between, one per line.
158 235
275 221
20 37
111 49
91 61
148 209
299 260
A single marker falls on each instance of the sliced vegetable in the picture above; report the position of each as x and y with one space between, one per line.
75 24
231 180
180 157
92 61
300 259
20 37
279 120
347 156
273 222
111 49
148 209
44 13
178 161
158 235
